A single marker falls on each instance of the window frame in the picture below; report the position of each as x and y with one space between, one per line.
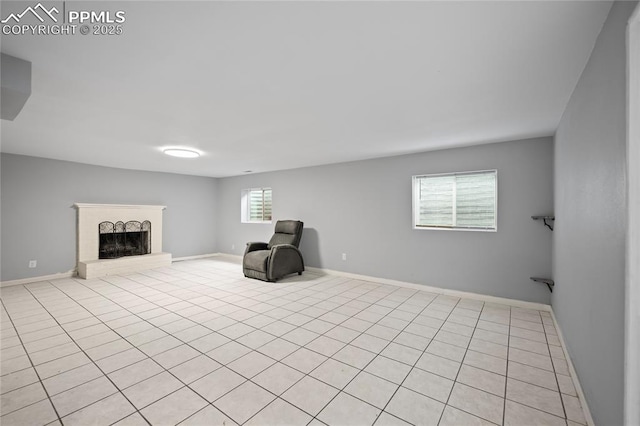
415 205
245 205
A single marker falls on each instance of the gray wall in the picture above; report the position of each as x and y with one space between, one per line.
589 239
363 209
38 221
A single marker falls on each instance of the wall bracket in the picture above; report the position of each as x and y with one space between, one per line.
544 220
546 281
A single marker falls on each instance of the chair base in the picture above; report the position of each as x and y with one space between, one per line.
250 273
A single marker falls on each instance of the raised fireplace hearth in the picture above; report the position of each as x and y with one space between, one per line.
118 239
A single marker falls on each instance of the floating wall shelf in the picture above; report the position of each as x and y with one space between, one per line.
544 219
546 281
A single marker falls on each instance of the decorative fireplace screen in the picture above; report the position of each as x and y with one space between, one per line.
120 239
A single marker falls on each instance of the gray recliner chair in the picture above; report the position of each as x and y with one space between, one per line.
280 257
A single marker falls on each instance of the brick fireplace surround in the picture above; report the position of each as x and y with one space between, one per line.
91 215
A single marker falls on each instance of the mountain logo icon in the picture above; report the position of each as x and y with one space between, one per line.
34 11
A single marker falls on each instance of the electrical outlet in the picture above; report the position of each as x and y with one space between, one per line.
33 263
344 256
233 246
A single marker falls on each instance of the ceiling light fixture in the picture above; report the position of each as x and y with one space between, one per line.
182 153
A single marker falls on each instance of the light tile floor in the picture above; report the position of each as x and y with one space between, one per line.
198 344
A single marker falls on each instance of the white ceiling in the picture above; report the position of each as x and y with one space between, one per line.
274 85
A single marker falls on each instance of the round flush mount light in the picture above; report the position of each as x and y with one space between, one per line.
182 153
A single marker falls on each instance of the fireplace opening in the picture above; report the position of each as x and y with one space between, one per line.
121 239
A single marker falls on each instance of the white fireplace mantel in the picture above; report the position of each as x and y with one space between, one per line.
88 240
117 206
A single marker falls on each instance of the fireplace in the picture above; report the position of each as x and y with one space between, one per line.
120 239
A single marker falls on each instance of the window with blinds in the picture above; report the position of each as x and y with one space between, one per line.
466 201
256 205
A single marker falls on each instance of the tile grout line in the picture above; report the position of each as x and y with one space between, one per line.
376 355
382 299
55 410
555 376
455 380
413 366
506 373
540 387
307 374
98 367
205 355
314 417
151 358
370 304
381 291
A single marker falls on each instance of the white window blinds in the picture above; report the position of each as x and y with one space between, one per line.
456 200
256 205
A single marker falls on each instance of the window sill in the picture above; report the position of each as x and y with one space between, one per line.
436 228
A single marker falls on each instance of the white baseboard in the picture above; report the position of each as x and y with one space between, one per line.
197 256
74 273
322 271
234 257
455 293
492 299
574 375
69 274
469 295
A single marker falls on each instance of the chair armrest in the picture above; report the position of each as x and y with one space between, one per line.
284 259
279 247
253 246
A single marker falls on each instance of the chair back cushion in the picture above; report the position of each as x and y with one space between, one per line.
287 232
